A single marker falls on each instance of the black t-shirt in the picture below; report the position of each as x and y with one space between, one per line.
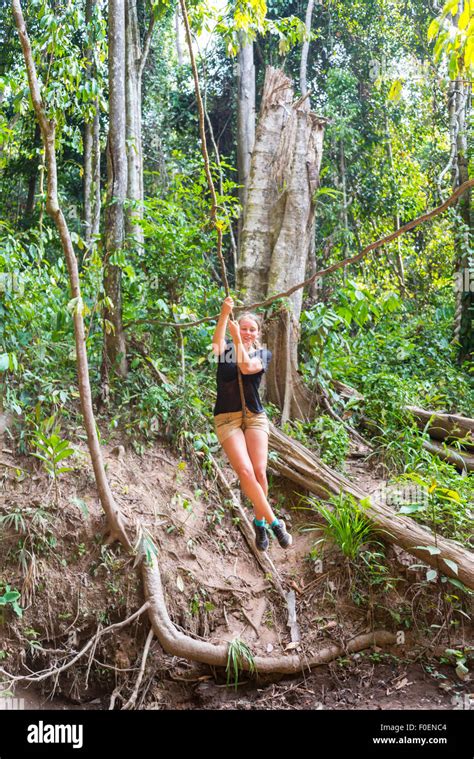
228 392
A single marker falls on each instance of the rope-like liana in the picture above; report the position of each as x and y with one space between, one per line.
204 150
329 269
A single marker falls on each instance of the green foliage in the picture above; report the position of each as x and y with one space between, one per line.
34 526
346 524
238 653
145 547
447 502
10 598
328 437
52 448
384 149
377 572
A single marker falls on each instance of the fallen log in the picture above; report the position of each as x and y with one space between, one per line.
440 426
346 391
297 463
445 426
460 459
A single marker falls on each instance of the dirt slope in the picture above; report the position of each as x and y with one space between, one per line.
72 584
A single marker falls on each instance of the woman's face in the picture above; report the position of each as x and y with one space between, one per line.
248 331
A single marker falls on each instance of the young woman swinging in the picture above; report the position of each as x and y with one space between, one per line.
243 432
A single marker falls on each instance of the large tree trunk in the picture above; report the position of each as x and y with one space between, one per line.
461 460
449 427
278 226
115 346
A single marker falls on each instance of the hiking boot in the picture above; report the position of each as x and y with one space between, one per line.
261 537
284 538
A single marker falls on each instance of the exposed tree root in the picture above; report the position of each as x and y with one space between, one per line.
131 701
54 671
177 643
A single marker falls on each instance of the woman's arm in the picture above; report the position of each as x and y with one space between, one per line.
218 339
246 364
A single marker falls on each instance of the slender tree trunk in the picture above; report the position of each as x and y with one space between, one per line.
91 144
87 182
305 49
177 32
115 346
48 133
33 177
459 105
133 122
345 221
96 198
396 219
245 121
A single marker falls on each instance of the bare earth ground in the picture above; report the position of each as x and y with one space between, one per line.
72 585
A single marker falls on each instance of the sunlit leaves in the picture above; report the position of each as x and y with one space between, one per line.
453 31
395 91
59 36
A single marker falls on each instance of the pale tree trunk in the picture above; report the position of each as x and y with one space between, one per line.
305 49
245 119
459 105
91 147
400 269
311 262
133 91
136 56
278 227
344 214
115 346
177 31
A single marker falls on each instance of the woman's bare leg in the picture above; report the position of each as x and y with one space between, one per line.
257 447
236 449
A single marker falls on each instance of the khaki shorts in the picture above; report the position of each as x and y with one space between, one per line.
226 424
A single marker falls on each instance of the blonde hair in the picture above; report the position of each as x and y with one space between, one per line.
258 321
